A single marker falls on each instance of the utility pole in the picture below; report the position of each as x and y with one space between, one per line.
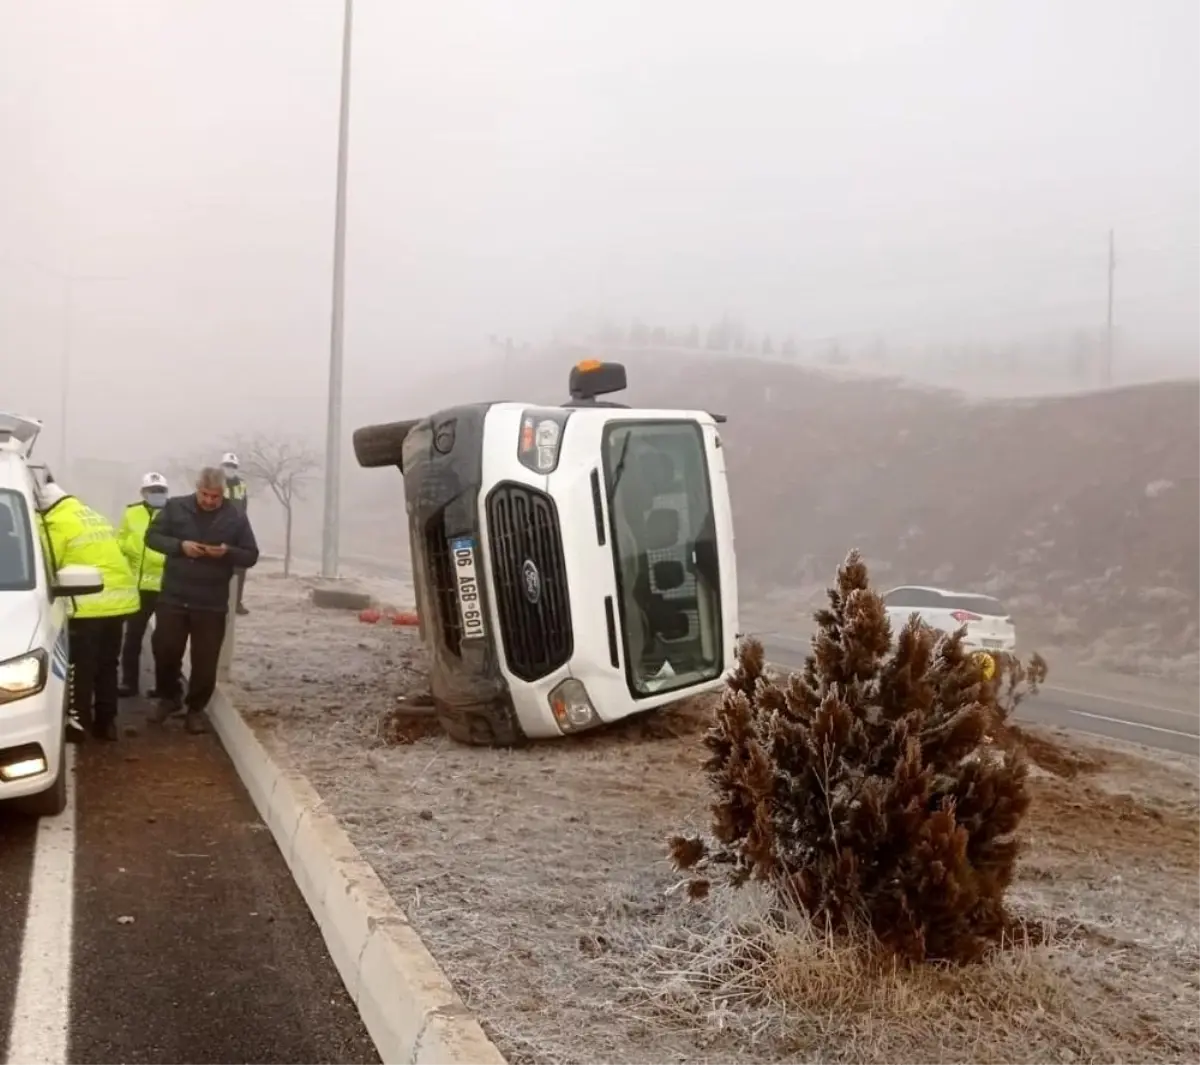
1108 333
333 424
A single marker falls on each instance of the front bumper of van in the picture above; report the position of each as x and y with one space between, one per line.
31 743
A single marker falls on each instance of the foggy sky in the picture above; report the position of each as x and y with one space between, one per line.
870 168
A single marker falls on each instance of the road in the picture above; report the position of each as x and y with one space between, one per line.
1123 718
156 921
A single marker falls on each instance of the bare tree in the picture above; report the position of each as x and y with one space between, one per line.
284 466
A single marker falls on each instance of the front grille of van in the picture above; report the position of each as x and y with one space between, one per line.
530 580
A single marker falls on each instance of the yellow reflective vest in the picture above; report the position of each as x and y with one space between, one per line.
75 535
146 563
235 492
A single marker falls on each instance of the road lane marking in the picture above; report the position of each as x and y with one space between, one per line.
1132 724
41 1011
1137 704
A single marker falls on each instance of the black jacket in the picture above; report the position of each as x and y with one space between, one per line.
200 583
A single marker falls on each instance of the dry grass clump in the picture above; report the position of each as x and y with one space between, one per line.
755 974
879 789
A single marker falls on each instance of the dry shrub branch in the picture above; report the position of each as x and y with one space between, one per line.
878 789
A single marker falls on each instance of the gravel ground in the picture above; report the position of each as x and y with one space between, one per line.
538 879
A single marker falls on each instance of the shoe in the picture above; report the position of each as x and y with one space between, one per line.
195 723
105 730
127 691
164 709
243 611
76 733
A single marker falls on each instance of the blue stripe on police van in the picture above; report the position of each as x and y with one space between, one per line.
58 656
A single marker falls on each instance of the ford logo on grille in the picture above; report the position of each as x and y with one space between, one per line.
533 581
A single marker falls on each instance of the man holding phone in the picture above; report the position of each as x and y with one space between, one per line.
205 538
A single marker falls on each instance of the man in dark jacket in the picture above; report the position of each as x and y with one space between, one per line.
205 538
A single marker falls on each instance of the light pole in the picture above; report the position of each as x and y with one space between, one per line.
333 424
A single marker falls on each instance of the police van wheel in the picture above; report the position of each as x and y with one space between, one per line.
381 445
476 728
52 801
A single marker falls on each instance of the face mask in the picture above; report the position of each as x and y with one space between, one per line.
230 472
155 499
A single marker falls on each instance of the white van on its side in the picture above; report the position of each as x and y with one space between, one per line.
34 608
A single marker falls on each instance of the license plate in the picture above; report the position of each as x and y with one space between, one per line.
470 608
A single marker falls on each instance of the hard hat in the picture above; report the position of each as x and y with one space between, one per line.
229 459
49 494
154 480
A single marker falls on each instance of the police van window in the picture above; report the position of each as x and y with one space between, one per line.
17 572
665 553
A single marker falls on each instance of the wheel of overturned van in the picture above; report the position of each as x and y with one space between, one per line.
341 599
52 801
381 445
986 663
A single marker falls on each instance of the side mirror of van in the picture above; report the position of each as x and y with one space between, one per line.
77 580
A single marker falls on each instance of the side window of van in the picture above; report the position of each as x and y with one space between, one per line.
39 538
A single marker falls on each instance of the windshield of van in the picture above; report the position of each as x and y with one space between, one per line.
16 544
665 548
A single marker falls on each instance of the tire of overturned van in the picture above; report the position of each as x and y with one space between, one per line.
341 599
494 726
381 445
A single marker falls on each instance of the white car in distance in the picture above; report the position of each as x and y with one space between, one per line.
988 625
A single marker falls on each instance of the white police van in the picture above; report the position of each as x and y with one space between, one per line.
34 608
573 565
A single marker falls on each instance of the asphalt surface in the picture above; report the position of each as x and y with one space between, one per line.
156 921
1172 728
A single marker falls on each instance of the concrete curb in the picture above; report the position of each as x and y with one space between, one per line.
408 1005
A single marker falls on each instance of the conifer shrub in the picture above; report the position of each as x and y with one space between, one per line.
880 788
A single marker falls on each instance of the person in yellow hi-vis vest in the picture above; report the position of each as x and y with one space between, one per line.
147 566
75 535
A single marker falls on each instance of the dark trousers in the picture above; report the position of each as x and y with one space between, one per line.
95 647
241 582
173 628
135 636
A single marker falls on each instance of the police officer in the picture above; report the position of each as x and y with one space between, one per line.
75 535
235 492
147 566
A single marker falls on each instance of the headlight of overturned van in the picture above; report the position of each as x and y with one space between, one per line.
571 706
22 676
541 435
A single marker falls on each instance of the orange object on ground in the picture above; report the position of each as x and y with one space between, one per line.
405 617
370 616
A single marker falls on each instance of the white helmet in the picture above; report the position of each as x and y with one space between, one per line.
154 481
230 459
